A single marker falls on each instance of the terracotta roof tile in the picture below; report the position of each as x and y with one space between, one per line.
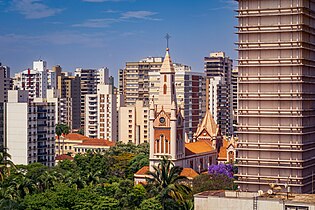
75 136
143 170
64 157
97 142
198 147
222 153
189 173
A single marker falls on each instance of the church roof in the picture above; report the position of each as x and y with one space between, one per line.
209 125
222 153
188 172
198 147
167 66
142 171
225 145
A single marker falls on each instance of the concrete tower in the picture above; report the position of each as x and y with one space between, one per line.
276 109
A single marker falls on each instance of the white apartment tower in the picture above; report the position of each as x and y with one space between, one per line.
30 129
101 113
89 79
134 123
34 80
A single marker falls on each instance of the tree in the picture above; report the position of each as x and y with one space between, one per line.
223 169
168 181
5 164
151 203
206 182
61 129
23 186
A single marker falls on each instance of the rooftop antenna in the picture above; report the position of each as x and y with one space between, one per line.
167 37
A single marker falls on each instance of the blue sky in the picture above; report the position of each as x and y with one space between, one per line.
98 33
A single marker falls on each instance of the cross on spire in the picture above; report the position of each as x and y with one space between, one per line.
167 37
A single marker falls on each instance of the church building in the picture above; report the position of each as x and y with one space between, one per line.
167 136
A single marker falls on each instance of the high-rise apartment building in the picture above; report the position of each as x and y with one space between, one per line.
133 123
101 113
34 80
4 82
70 91
62 106
190 95
2 124
52 76
4 87
234 92
89 79
134 79
30 129
219 90
276 94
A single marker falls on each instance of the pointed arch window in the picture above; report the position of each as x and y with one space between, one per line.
162 139
165 78
164 89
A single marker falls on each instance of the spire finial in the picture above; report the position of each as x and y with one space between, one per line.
167 37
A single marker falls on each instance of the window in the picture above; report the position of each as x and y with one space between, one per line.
164 89
287 207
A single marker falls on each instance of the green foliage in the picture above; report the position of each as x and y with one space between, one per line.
206 182
171 185
96 181
151 203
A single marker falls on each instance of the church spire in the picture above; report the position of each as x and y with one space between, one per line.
167 94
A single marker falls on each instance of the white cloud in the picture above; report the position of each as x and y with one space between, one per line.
139 15
58 38
97 23
34 9
125 16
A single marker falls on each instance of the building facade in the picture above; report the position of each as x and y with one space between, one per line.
101 113
70 91
219 90
134 79
4 82
133 123
276 94
30 129
89 79
34 80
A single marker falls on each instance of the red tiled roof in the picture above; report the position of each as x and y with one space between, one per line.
189 173
198 147
222 152
97 142
64 157
143 171
75 136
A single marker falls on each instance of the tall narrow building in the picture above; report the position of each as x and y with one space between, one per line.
101 113
30 129
276 94
89 79
219 90
70 92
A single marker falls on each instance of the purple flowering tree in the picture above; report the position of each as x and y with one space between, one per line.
223 169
